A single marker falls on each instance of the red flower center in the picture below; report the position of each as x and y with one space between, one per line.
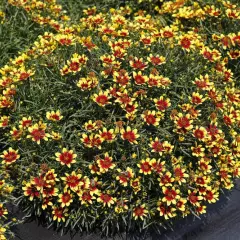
150 119
158 146
183 122
130 136
146 167
162 104
72 181
66 197
38 134
139 79
170 194
102 99
10 157
139 65
74 66
66 157
185 43
139 211
199 134
105 198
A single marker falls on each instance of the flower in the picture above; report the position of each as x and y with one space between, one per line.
160 147
105 164
92 140
193 198
139 78
211 196
10 156
51 176
196 98
140 212
3 211
4 121
65 198
106 199
151 118
107 135
166 179
16 133
87 197
158 166
37 132
200 133
184 122
156 60
121 206
180 174
102 98
138 63
166 211
181 204
25 122
54 116
31 191
124 176
161 103
66 157
170 195
129 135
50 191
72 180
46 202
145 166
198 151
59 214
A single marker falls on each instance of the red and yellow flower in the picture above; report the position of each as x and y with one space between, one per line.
31 191
140 212
138 63
59 214
66 157
156 59
54 115
10 156
65 198
129 135
105 164
194 198
166 211
106 199
102 98
124 176
107 135
184 122
37 132
72 180
171 195
162 103
151 117
158 166
145 166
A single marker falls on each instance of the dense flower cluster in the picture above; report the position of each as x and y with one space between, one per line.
124 116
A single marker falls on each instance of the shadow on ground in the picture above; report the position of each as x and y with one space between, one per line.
222 222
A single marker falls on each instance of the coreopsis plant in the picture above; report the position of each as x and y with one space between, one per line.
123 119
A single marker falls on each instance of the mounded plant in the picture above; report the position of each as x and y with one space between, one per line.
123 119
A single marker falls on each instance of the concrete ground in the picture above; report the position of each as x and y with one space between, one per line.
222 222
